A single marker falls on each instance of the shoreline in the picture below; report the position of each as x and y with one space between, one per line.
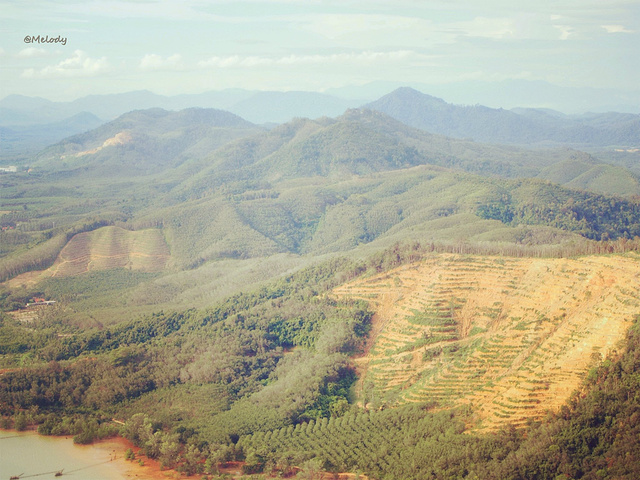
130 469
110 451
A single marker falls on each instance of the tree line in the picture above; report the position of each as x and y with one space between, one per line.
265 378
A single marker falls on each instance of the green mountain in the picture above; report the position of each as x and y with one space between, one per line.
144 142
361 142
227 293
237 204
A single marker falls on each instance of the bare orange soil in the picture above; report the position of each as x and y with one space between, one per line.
513 337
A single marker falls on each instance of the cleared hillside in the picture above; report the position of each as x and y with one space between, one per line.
112 247
104 249
513 337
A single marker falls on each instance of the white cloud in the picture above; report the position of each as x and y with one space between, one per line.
484 27
31 52
334 26
153 62
78 65
565 31
617 29
374 31
519 26
359 58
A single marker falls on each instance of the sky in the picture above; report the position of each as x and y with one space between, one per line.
175 47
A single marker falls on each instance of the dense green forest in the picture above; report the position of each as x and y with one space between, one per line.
266 378
268 359
597 217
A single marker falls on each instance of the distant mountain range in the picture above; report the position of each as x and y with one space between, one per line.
257 107
28 124
19 141
518 126
509 94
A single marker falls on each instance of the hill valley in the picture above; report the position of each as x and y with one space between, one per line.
282 295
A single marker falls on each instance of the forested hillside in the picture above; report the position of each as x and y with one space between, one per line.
267 379
343 294
144 142
236 204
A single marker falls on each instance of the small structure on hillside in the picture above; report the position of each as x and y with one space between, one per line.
37 301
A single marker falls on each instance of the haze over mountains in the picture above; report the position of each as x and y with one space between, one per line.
518 126
22 110
28 124
19 141
258 107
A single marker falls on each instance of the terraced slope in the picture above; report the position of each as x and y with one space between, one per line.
103 249
511 336
112 247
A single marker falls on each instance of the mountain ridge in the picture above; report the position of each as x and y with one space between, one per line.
255 106
522 126
519 126
156 138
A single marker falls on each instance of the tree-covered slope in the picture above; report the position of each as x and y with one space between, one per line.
305 189
144 142
265 378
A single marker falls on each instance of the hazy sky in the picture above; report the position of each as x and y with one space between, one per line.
172 47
